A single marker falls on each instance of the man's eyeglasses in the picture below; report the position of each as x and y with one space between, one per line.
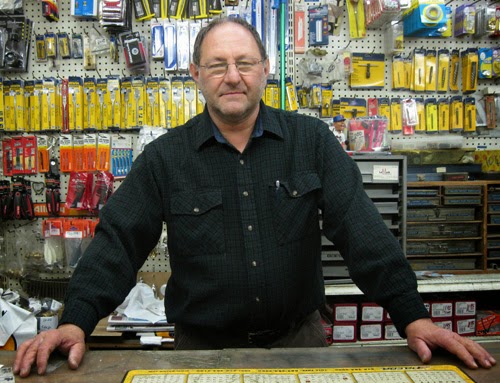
244 67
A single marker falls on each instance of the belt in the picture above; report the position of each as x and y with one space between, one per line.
266 337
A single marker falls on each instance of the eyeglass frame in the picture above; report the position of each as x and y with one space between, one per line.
206 67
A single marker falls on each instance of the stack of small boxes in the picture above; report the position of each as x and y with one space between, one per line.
370 322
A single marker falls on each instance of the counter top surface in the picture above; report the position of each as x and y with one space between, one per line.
111 366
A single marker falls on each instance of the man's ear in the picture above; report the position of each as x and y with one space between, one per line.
195 72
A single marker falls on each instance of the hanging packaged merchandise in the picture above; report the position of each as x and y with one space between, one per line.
103 188
456 114
76 46
41 51
443 70
135 52
368 134
379 13
190 98
470 123
443 115
64 45
409 116
420 127
425 19
352 107
465 20
454 70
394 38
431 115
431 70
76 240
368 71
396 119
470 69
15 42
418 73
356 15
318 25
485 56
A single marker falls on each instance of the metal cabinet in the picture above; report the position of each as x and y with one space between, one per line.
384 180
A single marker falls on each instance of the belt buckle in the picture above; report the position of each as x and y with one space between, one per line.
264 337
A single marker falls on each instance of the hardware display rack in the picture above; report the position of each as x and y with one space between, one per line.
374 42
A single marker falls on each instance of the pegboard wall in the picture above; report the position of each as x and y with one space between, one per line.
375 42
372 43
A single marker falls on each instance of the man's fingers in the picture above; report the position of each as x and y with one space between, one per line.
21 359
422 350
76 355
45 347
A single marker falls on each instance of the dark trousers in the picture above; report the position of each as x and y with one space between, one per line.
308 332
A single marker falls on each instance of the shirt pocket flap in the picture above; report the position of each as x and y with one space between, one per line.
301 184
195 203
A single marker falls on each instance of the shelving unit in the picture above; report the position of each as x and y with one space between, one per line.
384 180
450 227
493 227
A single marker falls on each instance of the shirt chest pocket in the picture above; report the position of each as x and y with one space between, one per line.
296 206
197 225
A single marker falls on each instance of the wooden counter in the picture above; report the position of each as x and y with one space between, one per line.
110 366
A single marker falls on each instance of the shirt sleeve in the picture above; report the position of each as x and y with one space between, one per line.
371 252
129 227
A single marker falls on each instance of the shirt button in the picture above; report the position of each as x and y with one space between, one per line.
196 210
257 299
242 162
250 227
245 193
294 193
254 263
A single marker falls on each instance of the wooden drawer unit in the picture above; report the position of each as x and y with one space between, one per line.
453 226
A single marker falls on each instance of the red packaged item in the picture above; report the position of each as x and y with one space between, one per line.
103 189
79 190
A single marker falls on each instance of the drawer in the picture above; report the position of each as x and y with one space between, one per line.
443 264
495 219
462 200
423 201
441 214
441 247
468 190
494 208
442 230
494 196
422 193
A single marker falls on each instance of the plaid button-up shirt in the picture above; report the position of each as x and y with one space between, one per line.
243 229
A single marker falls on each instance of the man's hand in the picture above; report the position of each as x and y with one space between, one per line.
68 338
423 336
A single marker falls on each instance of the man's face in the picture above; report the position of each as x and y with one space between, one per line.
233 96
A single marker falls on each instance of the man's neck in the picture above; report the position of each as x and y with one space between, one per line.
237 133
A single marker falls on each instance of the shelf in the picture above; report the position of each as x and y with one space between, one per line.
402 342
455 283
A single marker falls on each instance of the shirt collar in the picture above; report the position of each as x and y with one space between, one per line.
266 122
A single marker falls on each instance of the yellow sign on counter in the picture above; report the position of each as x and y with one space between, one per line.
409 374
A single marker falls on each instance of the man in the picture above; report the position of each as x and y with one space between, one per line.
239 188
339 129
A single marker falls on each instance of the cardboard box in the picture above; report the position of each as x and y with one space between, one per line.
447 324
345 332
345 312
371 331
465 308
390 332
465 326
487 323
371 312
441 309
